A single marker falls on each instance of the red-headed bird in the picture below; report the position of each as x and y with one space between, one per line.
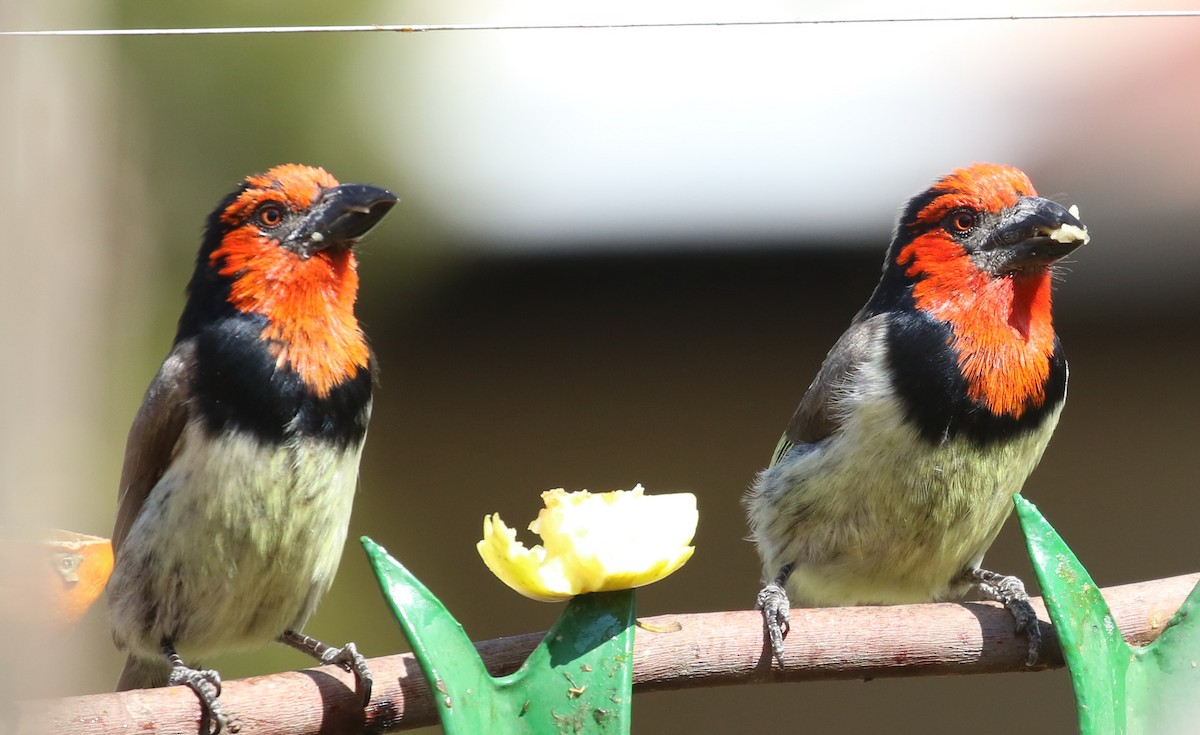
898 468
242 463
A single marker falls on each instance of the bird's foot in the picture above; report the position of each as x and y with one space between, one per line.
206 683
777 616
351 660
1010 592
346 657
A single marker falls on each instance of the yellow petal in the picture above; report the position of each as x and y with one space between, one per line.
525 570
594 542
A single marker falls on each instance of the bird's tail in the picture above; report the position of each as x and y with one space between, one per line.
141 673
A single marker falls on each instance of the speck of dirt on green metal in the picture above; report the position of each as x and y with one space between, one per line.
568 723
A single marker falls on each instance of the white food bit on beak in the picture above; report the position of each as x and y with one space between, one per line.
1069 233
1074 210
317 237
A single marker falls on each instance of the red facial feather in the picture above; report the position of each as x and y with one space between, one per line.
308 302
1001 325
983 186
293 185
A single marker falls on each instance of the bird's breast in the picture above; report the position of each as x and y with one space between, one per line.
240 385
923 364
236 542
879 513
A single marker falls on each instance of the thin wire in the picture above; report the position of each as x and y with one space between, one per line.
376 28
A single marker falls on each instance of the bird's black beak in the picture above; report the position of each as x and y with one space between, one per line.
340 217
1034 234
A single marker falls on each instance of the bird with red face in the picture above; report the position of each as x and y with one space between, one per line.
241 465
899 466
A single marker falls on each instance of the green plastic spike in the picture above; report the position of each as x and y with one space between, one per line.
579 679
1119 689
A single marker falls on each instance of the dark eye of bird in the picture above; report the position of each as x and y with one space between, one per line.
269 215
961 220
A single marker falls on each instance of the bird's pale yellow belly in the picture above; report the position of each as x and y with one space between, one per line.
235 544
877 515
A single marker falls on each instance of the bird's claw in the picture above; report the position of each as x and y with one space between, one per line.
1010 592
351 660
206 683
346 657
777 616
1027 623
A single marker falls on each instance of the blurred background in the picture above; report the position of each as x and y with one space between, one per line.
620 257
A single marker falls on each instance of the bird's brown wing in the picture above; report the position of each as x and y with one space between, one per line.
154 437
815 418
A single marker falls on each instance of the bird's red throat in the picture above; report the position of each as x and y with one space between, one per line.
1001 326
308 303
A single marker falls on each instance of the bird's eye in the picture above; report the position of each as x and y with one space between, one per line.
269 215
962 220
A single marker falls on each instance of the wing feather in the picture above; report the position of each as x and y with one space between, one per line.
815 418
154 437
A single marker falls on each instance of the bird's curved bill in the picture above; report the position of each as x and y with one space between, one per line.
342 216
1037 232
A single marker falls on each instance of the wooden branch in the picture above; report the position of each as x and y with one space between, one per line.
672 652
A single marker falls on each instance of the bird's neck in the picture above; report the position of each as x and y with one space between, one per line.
309 306
1002 331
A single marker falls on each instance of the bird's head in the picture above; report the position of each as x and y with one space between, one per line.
281 247
287 230
297 212
984 221
975 252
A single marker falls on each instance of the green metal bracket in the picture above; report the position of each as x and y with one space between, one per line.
579 679
1119 689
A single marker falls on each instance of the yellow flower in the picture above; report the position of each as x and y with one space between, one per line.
593 543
